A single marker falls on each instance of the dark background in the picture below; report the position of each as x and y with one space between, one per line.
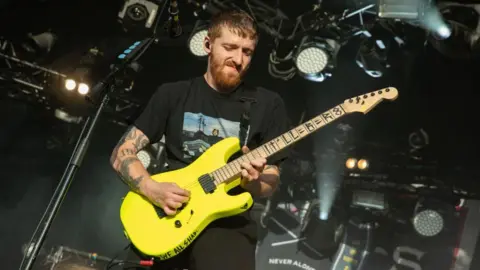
435 93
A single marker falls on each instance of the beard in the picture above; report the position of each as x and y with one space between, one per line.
224 80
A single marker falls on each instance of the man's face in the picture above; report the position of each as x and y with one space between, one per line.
229 57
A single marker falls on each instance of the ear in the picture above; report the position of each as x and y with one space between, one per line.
207 44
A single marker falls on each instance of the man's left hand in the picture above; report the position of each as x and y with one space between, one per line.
252 170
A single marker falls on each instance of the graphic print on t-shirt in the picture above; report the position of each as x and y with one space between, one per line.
201 131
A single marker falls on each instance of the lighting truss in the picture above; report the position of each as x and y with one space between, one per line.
29 80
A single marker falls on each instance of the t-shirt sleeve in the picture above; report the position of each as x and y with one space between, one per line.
153 119
277 125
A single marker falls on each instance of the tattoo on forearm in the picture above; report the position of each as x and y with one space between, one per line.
127 152
128 135
140 142
124 172
270 167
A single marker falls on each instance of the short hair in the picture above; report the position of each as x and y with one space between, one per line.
237 21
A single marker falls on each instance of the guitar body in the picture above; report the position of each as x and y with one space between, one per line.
167 236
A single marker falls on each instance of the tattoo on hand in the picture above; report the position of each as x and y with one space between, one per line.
124 173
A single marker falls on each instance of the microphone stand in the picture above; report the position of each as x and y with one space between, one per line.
128 56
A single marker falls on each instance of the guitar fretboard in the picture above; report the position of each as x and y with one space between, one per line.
233 169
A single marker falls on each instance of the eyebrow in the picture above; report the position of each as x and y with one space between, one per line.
235 46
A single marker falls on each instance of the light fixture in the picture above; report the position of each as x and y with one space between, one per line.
457 36
432 216
322 234
316 57
152 157
82 76
197 38
40 43
372 57
138 15
351 163
402 9
363 164
79 80
369 200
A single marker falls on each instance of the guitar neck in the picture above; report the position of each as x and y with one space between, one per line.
233 169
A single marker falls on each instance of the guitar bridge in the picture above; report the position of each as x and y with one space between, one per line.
207 183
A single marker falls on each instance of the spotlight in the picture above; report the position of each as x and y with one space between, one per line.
82 76
197 37
372 57
83 88
363 164
369 200
138 15
431 217
402 9
351 163
152 157
70 84
454 30
316 57
40 43
321 234
428 223
79 80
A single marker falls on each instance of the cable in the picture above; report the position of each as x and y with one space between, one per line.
116 256
141 263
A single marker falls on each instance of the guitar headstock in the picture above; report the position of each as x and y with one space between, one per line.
364 103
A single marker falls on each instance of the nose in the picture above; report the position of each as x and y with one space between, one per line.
238 57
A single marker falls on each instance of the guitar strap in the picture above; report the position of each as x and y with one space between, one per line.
247 98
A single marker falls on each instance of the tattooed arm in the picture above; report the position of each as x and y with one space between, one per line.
125 162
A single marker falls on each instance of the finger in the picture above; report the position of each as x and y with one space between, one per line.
178 198
245 149
169 211
253 173
173 204
245 175
180 191
259 163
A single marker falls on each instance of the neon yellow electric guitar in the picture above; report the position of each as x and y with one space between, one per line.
209 179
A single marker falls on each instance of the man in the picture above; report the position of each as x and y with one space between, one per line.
195 114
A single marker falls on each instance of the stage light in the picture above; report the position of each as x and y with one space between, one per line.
454 30
138 15
79 80
145 158
40 42
83 88
363 164
351 163
152 157
321 233
316 57
372 57
428 223
402 9
70 84
197 38
369 200
432 216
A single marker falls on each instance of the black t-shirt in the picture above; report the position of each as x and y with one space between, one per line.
193 117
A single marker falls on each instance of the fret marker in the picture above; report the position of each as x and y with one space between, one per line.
309 126
327 117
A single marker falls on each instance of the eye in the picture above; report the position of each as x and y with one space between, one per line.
247 52
228 48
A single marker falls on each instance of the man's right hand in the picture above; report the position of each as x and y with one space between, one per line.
168 196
